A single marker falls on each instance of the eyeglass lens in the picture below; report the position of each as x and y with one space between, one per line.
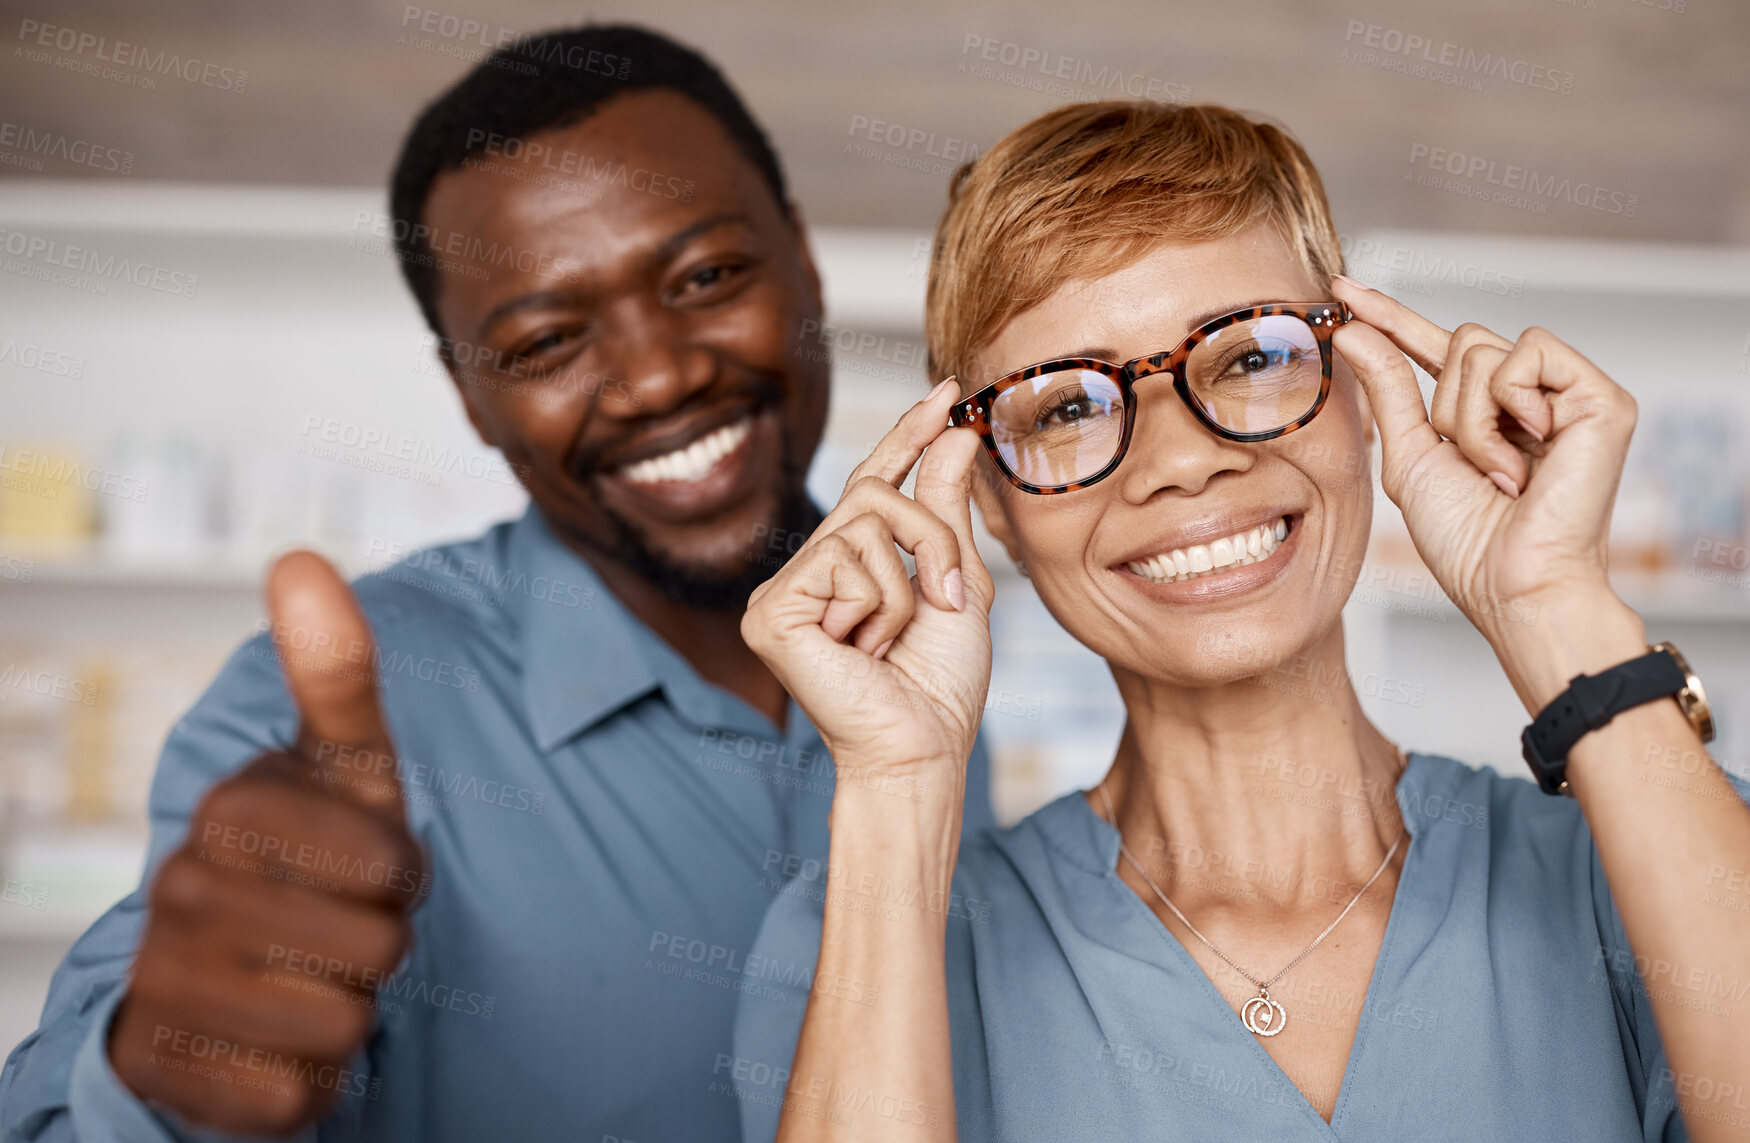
1254 376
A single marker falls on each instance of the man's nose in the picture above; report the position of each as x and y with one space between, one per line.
659 364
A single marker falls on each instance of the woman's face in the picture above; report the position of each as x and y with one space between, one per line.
1092 553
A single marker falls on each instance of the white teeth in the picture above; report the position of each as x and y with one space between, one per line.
1200 559
692 461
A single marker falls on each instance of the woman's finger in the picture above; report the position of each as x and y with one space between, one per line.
834 577
872 540
1477 418
1443 408
1541 362
1424 342
929 539
944 487
893 456
1405 436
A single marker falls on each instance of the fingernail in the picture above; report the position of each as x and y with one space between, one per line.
1352 282
954 586
1529 431
1505 484
940 385
881 651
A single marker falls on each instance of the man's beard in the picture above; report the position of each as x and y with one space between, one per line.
708 589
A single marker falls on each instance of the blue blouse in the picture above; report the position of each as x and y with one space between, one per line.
1505 1002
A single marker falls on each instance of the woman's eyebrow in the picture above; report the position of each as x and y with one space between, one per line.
1204 318
1198 321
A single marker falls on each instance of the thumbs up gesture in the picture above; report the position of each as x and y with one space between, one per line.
286 906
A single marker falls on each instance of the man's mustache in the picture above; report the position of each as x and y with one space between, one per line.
758 394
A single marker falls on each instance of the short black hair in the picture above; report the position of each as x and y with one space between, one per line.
538 83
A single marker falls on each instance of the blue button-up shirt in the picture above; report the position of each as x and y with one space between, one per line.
605 829
1505 1002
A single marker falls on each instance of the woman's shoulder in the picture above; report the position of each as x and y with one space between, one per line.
1065 827
1454 805
1059 851
1436 790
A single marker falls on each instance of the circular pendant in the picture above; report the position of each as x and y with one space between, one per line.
1263 1016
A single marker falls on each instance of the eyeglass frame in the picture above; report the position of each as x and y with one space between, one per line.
1322 318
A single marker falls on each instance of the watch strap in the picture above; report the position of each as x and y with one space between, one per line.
1590 702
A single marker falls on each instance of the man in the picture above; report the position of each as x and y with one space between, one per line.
479 855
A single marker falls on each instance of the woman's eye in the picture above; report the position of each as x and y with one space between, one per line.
1259 359
1068 410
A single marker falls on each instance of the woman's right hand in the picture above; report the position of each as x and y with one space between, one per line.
892 670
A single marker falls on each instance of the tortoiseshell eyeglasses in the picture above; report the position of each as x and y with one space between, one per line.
1252 375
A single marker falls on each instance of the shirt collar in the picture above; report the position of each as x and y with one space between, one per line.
586 656
582 650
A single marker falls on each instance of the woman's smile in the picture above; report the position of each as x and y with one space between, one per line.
1214 559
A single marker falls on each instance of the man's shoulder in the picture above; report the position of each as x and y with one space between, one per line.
421 600
465 583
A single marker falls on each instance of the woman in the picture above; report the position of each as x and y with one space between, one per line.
1186 951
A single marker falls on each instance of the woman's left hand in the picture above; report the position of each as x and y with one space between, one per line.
1507 481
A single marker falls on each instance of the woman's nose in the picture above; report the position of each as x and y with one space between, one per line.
1170 448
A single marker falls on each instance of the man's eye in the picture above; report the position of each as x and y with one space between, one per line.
541 344
711 277
544 351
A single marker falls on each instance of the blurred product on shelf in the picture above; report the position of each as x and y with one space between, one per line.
170 501
45 498
174 515
1694 452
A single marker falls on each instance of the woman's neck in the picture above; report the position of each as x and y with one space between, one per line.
1267 788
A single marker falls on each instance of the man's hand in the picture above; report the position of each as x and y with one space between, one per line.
286 906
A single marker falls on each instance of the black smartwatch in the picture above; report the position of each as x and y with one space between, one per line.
1591 701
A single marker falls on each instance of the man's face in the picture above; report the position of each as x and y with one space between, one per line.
622 301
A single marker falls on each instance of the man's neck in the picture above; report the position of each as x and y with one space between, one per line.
709 639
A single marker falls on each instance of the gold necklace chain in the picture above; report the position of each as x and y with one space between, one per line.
1261 1015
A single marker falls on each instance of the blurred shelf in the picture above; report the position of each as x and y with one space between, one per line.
225 574
1655 608
67 925
1659 599
59 879
98 573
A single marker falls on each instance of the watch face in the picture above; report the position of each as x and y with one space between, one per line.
1691 698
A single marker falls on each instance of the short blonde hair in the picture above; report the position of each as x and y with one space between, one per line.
1087 189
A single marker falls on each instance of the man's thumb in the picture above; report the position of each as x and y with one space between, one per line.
329 660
